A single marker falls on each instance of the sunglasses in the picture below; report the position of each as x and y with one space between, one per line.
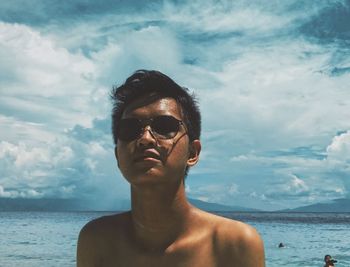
162 127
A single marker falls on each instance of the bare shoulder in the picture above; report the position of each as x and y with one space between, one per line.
97 235
102 226
236 243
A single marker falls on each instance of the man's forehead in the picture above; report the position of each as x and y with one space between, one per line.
147 100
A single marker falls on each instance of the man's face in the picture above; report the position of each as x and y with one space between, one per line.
150 160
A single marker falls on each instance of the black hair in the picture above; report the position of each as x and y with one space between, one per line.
142 83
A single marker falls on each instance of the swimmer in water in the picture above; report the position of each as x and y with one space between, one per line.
329 261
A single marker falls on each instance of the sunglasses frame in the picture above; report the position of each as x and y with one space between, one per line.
148 122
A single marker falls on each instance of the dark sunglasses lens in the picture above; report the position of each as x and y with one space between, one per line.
165 126
129 129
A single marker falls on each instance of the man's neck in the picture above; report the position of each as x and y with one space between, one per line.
159 215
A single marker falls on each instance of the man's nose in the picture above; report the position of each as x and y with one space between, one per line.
147 137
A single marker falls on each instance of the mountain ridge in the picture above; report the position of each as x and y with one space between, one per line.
56 204
336 205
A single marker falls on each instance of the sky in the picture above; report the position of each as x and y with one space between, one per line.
272 79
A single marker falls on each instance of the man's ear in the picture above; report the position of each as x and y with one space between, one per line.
116 155
195 150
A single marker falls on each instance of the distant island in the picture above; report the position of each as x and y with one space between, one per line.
336 205
218 207
53 204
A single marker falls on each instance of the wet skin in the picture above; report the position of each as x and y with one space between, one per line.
162 228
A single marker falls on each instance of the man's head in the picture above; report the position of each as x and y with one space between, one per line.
144 83
149 86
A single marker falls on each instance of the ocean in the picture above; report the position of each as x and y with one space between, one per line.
34 239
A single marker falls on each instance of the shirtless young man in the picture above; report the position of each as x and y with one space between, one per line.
156 129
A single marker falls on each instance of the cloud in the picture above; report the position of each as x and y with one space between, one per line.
39 78
65 168
214 192
42 64
273 92
277 105
137 50
331 23
295 186
294 176
339 149
47 92
338 158
3 193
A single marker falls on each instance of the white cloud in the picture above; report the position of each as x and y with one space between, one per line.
218 192
29 193
296 184
63 168
283 95
213 16
137 50
339 149
4 193
41 65
45 85
306 178
23 130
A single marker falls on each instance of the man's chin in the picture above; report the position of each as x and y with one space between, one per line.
147 174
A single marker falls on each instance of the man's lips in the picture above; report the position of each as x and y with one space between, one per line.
148 155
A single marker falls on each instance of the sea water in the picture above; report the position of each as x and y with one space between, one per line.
307 237
34 239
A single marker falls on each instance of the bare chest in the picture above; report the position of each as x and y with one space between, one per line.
198 254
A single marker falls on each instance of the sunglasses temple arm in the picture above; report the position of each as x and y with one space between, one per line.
174 143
